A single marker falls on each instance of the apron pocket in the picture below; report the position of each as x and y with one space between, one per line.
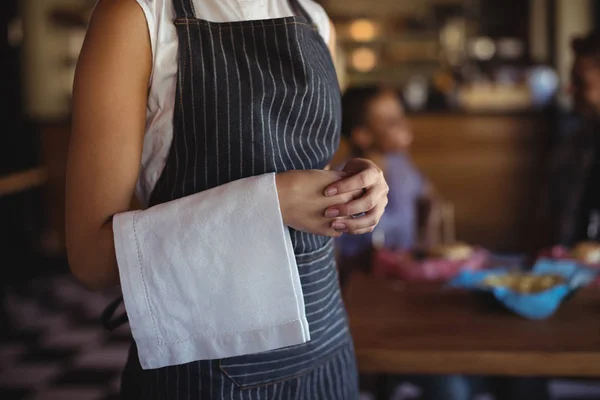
264 369
256 370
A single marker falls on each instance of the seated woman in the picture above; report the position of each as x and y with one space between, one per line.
375 127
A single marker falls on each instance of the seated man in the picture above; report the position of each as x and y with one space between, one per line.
572 202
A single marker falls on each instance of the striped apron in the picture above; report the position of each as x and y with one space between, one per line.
256 97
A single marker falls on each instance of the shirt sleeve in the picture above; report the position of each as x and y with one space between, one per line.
149 14
320 18
419 181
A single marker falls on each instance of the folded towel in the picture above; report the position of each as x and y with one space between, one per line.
212 275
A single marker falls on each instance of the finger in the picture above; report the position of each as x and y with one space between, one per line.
362 231
363 179
332 203
322 228
329 178
359 193
363 224
329 231
332 233
360 205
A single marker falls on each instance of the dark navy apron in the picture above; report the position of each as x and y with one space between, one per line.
256 97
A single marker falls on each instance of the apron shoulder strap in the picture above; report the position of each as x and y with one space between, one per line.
108 316
184 9
300 10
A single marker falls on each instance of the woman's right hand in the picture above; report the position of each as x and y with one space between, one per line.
303 203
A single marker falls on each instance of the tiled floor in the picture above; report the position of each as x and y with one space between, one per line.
57 348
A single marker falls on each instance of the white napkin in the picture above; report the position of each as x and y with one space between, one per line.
210 276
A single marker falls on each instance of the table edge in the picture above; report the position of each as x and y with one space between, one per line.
502 363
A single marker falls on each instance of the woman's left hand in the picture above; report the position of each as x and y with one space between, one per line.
362 214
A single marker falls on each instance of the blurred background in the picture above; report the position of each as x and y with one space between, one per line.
484 84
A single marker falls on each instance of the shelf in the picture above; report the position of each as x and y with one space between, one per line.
392 75
70 19
21 181
396 38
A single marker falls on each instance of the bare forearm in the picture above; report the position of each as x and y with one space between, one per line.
93 260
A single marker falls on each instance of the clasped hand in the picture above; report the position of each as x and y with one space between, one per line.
331 203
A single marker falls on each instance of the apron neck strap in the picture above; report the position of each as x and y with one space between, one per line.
184 9
301 11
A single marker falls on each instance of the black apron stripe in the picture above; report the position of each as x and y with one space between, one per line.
193 125
297 103
226 115
185 136
270 148
184 9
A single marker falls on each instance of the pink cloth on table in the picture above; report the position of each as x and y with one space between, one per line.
402 265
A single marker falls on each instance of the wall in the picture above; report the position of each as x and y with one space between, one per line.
538 31
384 8
490 168
47 74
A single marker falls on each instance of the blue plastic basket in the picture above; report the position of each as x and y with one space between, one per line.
538 305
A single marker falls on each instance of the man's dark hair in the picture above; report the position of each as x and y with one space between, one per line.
354 107
588 45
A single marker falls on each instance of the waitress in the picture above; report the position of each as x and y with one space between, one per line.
199 108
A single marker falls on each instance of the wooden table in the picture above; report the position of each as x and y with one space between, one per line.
426 329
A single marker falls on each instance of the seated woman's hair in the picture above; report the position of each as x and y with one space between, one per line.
354 106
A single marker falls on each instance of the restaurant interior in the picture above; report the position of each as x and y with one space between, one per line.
492 304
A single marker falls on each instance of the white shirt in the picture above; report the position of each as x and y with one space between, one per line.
163 35
211 275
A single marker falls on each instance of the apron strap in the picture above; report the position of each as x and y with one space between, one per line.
108 319
299 10
184 9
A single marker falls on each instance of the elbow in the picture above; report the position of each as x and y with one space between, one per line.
86 272
88 282
91 257
84 276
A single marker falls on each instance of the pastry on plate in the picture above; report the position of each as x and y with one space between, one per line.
453 251
587 252
524 283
